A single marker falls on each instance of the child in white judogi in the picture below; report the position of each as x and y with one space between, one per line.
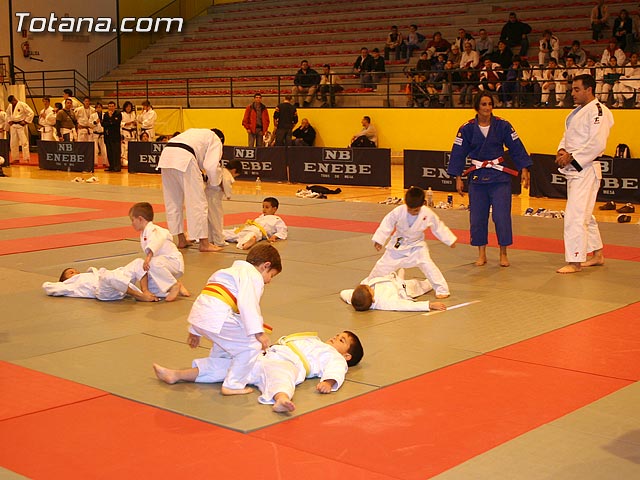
284 365
163 262
102 284
215 194
407 247
227 312
267 226
391 292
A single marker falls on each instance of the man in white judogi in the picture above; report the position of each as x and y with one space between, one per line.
147 120
47 121
585 138
182 162
86 116
19 114
3 123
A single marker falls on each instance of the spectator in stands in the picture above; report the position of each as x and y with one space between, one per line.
470 58
599 17
414 41
66 122
490 77
549 47
394 43
610 75
363 67
377 70
111 121
304 135
572 70
514 33
484 45
511 86
449 84
469 63
529 85
305 84
629 83
613 50
438 45
67 93
456 55
502 55
418 94
580 56
438 68
592 68
623 29
367 137
553 80
329 85
463 37
256 121
285 117
424 64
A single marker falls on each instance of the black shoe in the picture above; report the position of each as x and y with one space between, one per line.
628 208
624 218
610 205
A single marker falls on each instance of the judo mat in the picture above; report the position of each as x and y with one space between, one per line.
532 376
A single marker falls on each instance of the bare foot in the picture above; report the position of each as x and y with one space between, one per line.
595 261
165 374
209 248
437 306
236 391
147 297
183 291
480 262
173 292
570 268
283 404
443 295
185 244
504 261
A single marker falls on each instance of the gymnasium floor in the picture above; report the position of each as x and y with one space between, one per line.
533 376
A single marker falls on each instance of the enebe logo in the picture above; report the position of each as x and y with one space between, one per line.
53 24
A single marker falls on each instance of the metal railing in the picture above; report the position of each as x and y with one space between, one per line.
53 82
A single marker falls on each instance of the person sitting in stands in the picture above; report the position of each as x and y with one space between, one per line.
304 135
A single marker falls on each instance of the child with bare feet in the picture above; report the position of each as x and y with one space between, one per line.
283 366
227 312
391 292
102 284
267 226
403 231
163 261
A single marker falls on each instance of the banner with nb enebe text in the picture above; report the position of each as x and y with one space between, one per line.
71 156
268 163
143 157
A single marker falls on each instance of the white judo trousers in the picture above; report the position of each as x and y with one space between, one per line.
19 139
215 214
184 190
581 233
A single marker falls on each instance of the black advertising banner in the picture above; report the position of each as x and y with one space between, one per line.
428 168
268 163
620 179
367 167
71 156
4 152
143 157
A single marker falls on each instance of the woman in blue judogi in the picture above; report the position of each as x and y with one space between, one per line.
482 140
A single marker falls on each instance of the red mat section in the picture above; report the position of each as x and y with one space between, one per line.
608 344
114 438
32 391
424 426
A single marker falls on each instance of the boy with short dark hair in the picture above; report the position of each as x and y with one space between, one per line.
267 226
286 364
404 229
227 312
163 262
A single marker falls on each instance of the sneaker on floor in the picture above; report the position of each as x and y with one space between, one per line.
386 201
610 205
528 212
92 180
624 218
78 180
628 208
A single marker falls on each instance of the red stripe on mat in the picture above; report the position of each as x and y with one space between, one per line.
608 344
26 391
421 427
110 437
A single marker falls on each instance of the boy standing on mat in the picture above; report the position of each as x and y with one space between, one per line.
404 229
267 226
163 261
227 312
284 365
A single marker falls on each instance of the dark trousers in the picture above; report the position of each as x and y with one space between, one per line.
114 148
483 196
283 137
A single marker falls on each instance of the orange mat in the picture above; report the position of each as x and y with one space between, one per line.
424 426
26 391
608 344
110 437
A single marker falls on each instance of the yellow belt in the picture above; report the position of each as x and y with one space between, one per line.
253 222
288 342
223 294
